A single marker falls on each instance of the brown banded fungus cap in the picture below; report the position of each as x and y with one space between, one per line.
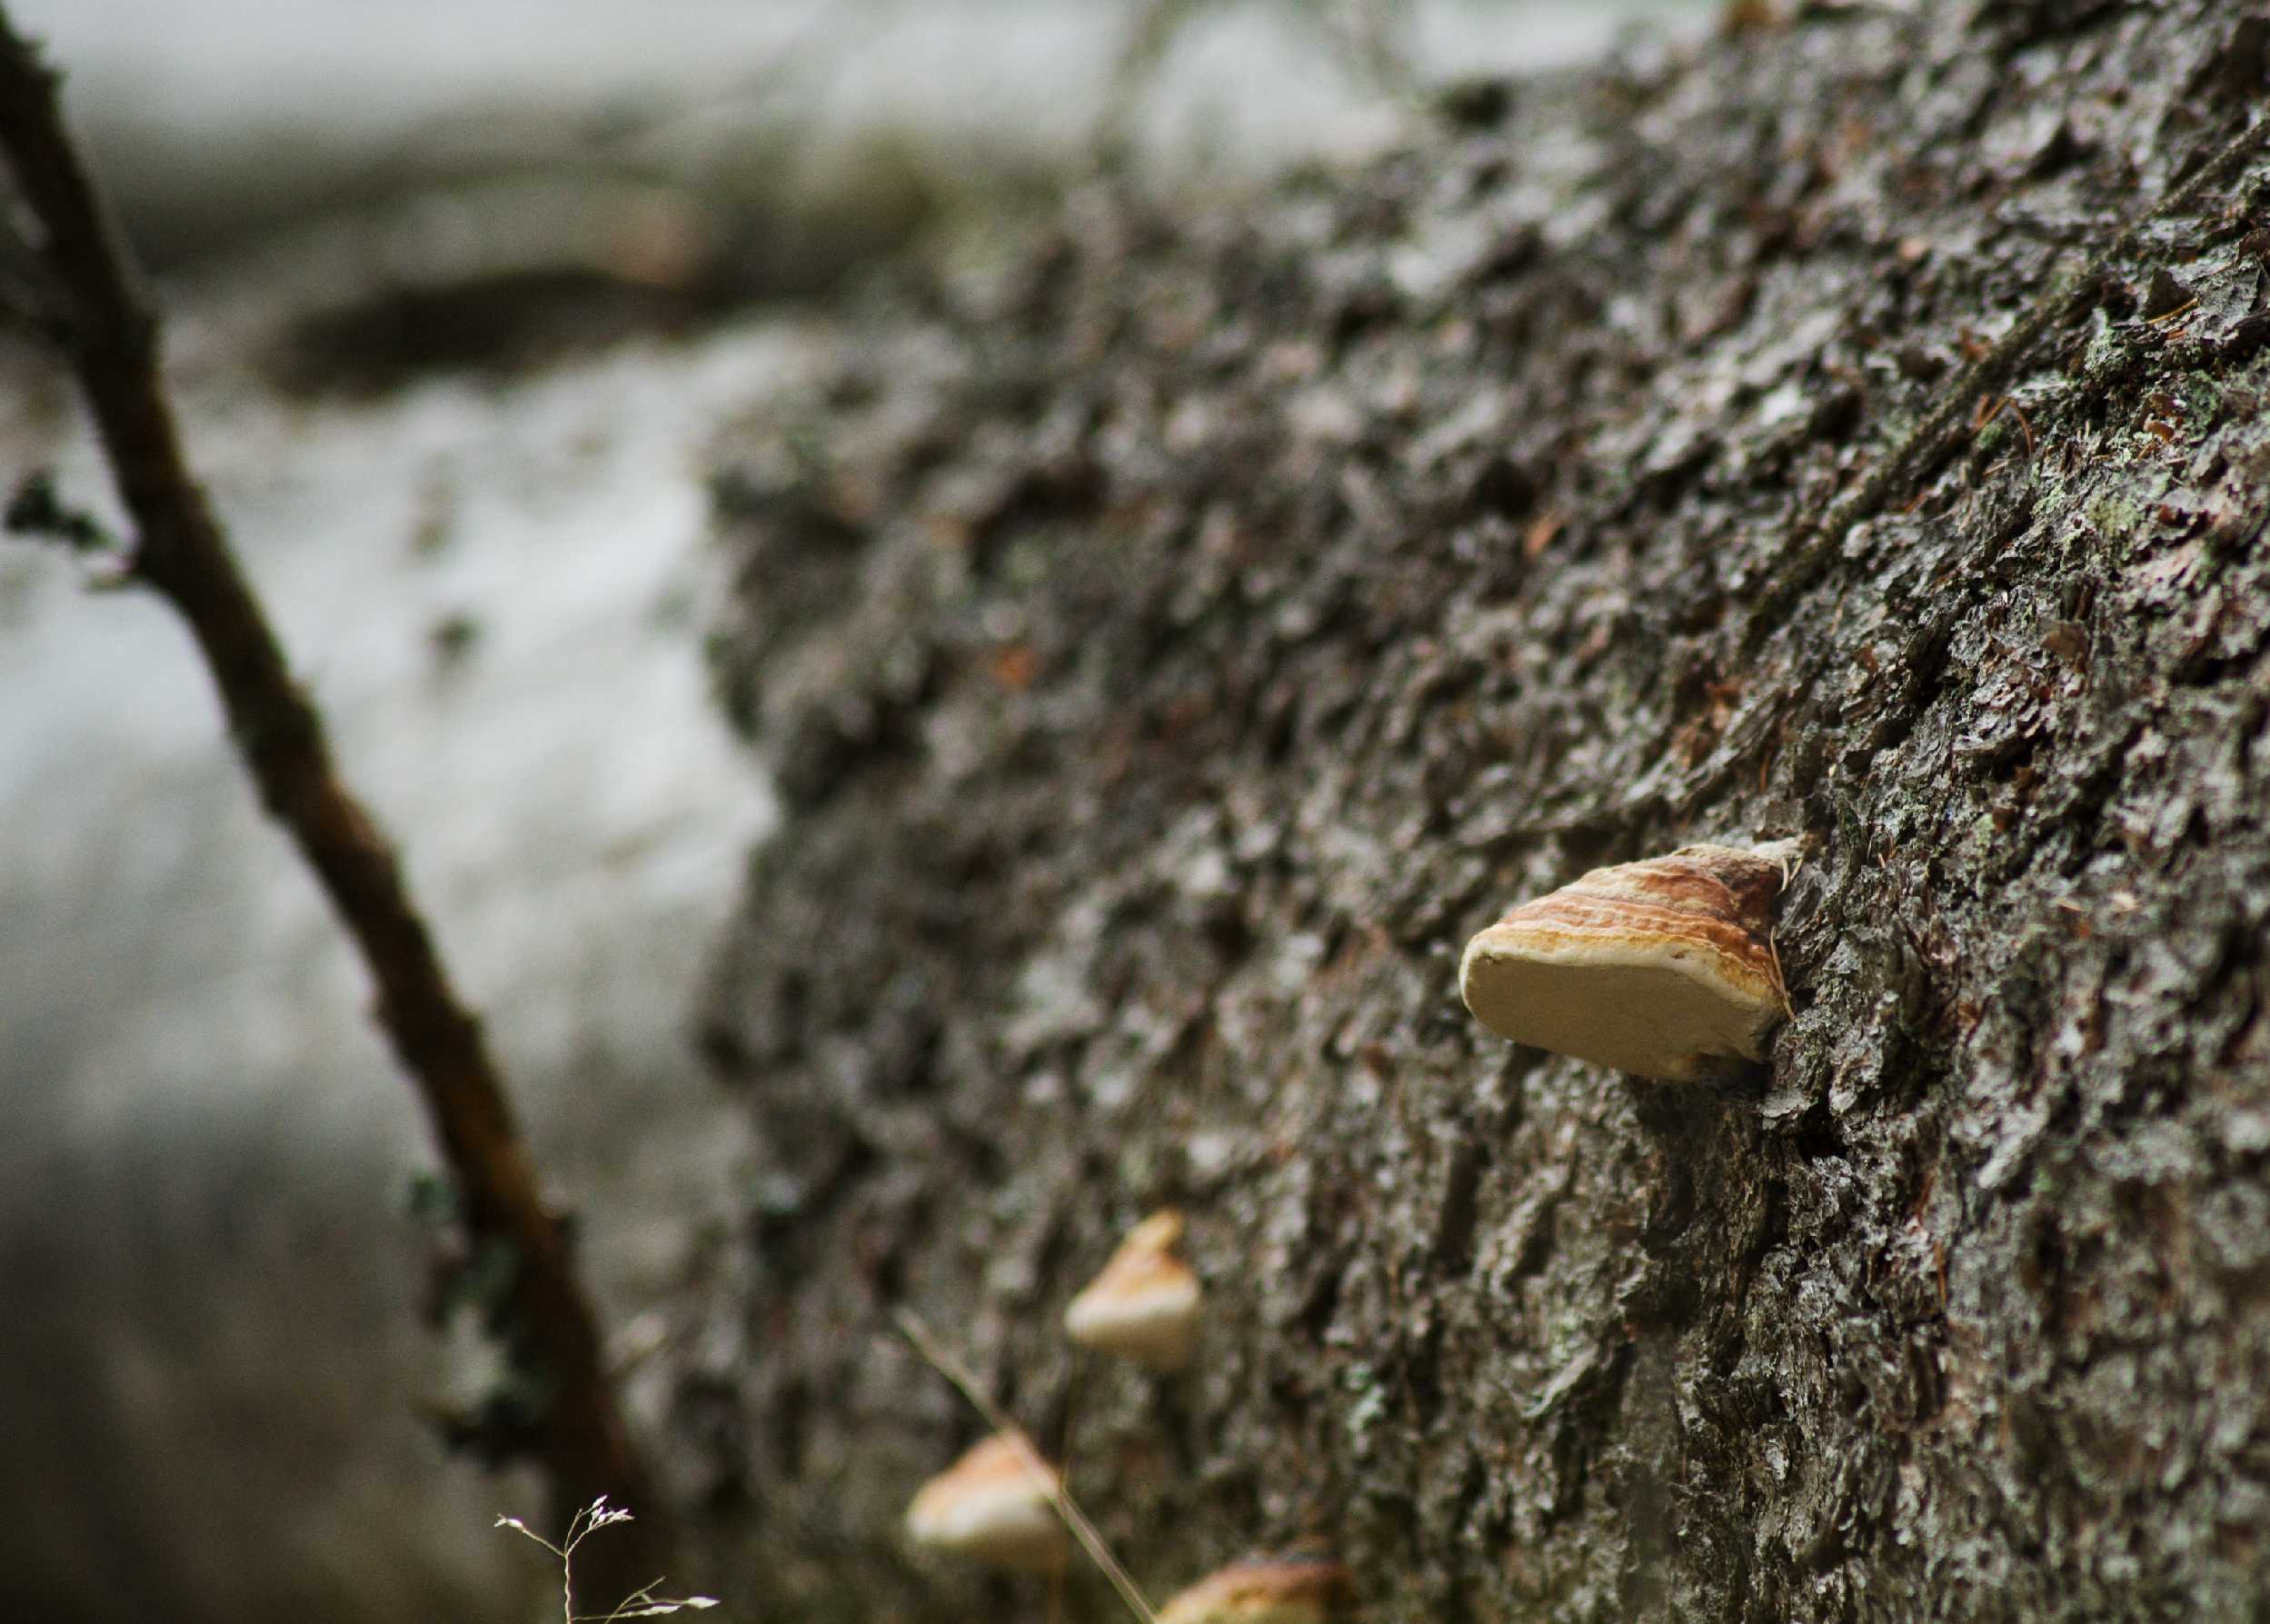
1665 969
1143 1306
995 1505
1290 1590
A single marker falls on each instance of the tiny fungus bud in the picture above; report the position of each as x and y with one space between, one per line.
1144 1305
1666 969
995 1505
1290 1590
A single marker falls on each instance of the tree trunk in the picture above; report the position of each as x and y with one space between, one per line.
1174 650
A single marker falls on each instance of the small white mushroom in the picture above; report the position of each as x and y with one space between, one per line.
1665 969
995 1505
1291 1590
1143 1306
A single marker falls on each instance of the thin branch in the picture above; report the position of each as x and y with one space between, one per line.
108 329
1091 1541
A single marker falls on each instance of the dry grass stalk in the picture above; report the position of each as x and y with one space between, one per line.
1084 1531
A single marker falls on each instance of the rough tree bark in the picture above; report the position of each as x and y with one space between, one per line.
1170 653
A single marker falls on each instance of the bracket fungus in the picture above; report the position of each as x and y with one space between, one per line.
1144 1304
1666 969
1282 1591
996 1505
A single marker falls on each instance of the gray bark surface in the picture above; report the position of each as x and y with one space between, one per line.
1173 645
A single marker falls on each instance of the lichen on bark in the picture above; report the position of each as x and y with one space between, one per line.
1173 647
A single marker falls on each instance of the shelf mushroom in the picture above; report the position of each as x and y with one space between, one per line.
1666 969
996 1505
1143 1306
1285 1590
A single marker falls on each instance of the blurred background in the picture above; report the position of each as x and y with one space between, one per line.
213 117
460 293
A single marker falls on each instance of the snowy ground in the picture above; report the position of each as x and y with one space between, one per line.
207 1270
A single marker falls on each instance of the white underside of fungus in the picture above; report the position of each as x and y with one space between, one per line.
1144 1304
995 1505
1665 969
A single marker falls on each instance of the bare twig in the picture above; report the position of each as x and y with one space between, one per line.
108 329
1091 1541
